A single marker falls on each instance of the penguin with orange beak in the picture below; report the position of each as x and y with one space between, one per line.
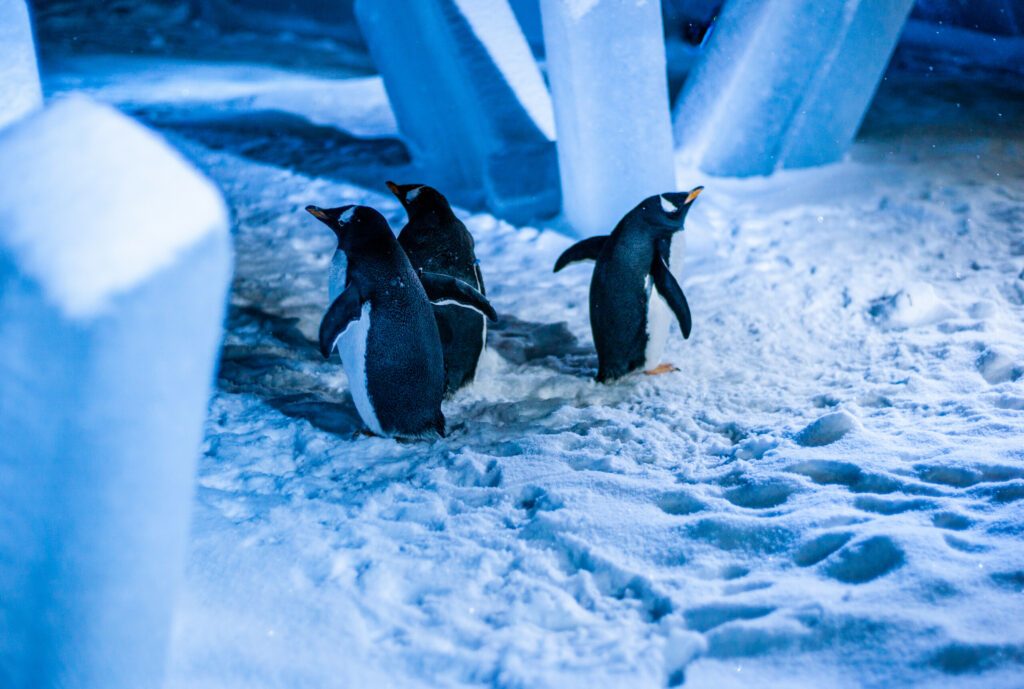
632 291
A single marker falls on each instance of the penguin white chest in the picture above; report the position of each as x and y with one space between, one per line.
352 348
659 315
658 320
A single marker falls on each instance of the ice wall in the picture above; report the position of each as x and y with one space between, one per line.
785 83
114 265
469 99
20 92
606 65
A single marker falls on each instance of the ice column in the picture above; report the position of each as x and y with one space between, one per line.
606 65
469 99
785 83
114 264
20 92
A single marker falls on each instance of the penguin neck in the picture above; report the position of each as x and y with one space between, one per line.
431 216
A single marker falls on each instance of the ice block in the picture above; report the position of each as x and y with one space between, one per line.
469 99
114 265
20 92
606 65
784 83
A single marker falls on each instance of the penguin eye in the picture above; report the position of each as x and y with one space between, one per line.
668 206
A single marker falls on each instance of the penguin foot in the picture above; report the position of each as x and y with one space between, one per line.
661 368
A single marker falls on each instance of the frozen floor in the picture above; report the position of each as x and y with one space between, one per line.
829 493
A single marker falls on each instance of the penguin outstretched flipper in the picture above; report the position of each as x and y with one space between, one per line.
669 288
345 309
587 250
446 289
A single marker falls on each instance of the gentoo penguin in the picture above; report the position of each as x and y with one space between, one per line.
437 241
382 323
631 262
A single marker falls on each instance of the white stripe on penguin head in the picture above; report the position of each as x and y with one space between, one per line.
411 196
667 205
347 215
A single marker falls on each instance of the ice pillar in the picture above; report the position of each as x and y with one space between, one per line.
469 99
606 65
114 264
785 83
20 92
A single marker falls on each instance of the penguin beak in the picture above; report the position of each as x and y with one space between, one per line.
692 196
317 213
396 191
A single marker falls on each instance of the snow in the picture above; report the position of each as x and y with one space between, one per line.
611 107
20 92
105 231
827 493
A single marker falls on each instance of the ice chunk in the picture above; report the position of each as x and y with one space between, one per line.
114 265
20 92
606 65
469 99
831 112
784 83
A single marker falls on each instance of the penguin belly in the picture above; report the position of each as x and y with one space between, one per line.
659 315
353 348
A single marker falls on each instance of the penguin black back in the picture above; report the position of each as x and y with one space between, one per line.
629 262
435 240
396 373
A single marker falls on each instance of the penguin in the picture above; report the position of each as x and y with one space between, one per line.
382 323
437 241
632 284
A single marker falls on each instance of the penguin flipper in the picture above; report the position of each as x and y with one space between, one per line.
446 289
671 292
586 250
345 309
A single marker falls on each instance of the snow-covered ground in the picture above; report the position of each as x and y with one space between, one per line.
829 493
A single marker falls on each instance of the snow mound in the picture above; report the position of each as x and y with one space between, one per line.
827 429
93 203
915 305
997 366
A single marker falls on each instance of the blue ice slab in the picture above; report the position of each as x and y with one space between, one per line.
528 15
469 99
784 83
606 65
114 266
20 92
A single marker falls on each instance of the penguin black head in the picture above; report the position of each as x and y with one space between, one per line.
358 228
419 198
668 211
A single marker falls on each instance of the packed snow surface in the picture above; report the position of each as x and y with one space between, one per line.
828 493
93 202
